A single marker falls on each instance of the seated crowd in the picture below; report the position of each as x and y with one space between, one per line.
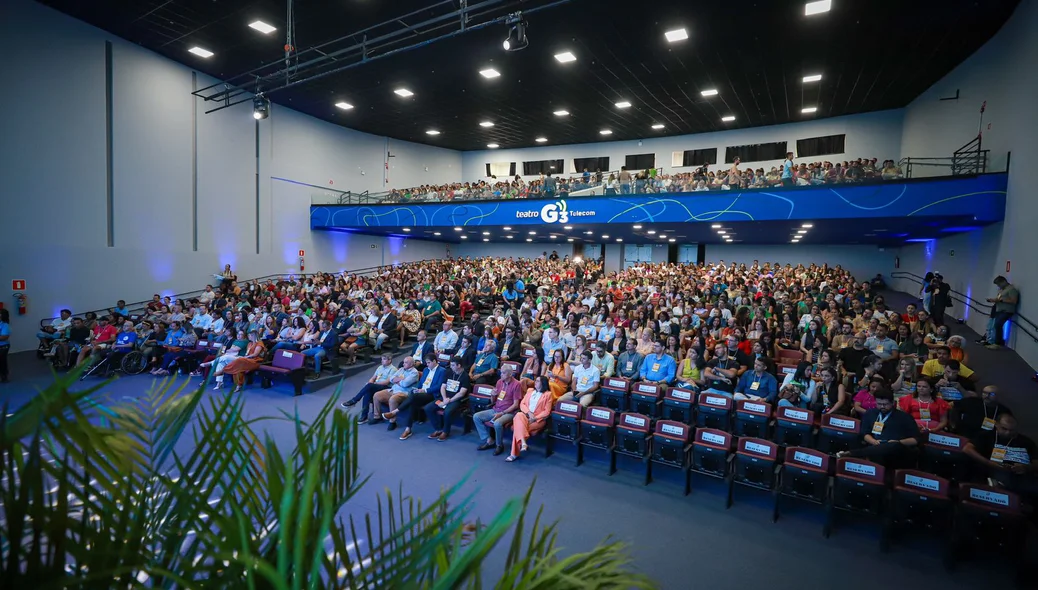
653 181
545 329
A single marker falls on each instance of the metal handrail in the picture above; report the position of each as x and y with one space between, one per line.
140 306
973 303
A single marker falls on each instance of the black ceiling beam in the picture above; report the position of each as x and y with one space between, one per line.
275 75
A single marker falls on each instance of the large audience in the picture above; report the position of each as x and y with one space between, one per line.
550 328
653 181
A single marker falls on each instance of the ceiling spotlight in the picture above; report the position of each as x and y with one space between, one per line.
509 237
590 233
436 233
619 239
262 27
464 237
201 52
533 233
486 124
795 241
817 7
716 226
651 232
605 132
567 227
432 132
529 239
728 118
489 73
569 239
506 228
729 240
493 146
486 233
553 236
541 139
636 226
344 105
710 92
486 239
457 229
658 126
517 39
813 78
623 104
407 229
605 237
676 35
721 232
403 92
671 240
565 57
807 225
801 231
260 108
561 113
808 109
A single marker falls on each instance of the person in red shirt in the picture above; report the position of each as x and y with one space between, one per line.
928 411
101 337
910 316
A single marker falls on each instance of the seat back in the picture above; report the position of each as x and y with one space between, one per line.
632 433
710 451
597 428
809 459
755 460
288 359
482 396
790 357
650 390
988 498
670 439
713 410
921 483
839 433
943 455
621 384
516 367
645 398
859 486
678 405
565 420
805 474
528 351
751 418
443 358
785 369
793 426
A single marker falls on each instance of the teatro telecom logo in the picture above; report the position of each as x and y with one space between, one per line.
557 212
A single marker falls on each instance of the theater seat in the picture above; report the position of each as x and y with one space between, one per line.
286 364
564 424
633 439
751 418
597 431
679 405
481 398
859 487
714 410
839 433
614 393
794 427
671 447
804 476
646 398
921 501
712 452
755 466
943 455
989 521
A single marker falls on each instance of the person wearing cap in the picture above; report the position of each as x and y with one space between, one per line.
1003 306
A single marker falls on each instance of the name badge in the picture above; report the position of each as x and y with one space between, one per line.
825 400
877 428
879 349
655 367
501 395
630 366
998 454
583 380
924 413
754 385
453 384
989 424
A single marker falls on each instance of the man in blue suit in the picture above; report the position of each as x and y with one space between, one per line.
420 348
424 392
324 347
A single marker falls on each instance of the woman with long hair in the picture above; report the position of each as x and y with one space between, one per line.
559 374
532 416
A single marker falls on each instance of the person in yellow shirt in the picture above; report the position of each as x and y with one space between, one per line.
934 368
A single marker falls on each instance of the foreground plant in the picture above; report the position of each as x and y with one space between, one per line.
97 493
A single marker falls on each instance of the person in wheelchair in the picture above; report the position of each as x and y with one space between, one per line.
111 359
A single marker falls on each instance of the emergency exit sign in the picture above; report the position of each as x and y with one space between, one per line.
18 285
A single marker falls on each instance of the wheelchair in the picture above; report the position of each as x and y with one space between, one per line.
130 363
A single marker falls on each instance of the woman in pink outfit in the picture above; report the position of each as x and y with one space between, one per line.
532 416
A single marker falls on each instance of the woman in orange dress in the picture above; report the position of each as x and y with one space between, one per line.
559 374
532 416
242 365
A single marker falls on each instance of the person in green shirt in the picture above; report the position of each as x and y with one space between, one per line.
432 312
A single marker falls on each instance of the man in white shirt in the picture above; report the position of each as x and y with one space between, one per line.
603 361
607 332
445 341
586 382
202 321
207 296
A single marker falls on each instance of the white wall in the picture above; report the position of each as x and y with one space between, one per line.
53 164
864 262
868 135
521 249
1003 72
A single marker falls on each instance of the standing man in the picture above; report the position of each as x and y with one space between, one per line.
940 298
1003 306
787 170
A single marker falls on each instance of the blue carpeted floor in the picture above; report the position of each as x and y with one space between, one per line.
682 542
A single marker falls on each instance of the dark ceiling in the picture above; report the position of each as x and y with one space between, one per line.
872 55
894 231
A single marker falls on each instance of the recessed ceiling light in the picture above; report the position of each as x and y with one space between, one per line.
509 237
676 35
716 226
464 237
569 239
605 132
407 229
605 237
817 7
795 241
200 52
801 231
807 225
541 139
403 92
623 104
651 231
486 239
590 233
457 229
486 233
710 92
728 118
262 27
658 126
493 146
489 73
619 239
565 57
808 109
432 132
671 240
344 105
637 227
533 233
529 239
729 240
506 228
813 78
553 236
436 233
561 113
721 232
567 227
486 124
